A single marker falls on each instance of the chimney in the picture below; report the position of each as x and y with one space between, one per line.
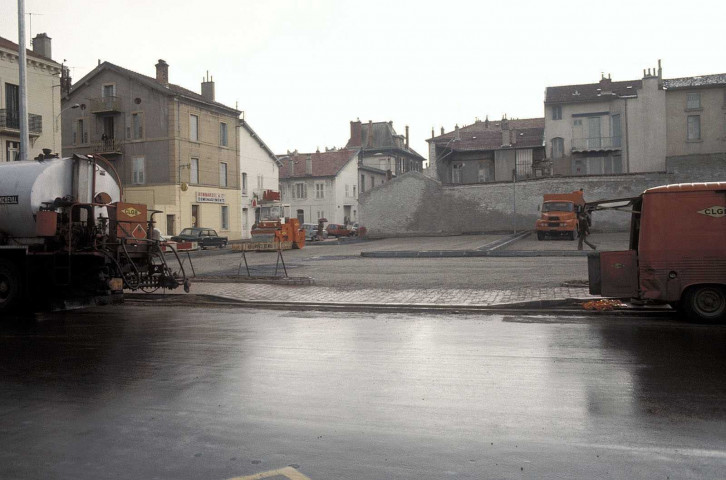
606 85
370 133
41 45
309 164
65 81
356 132
442 130
506 139
292 165
457 136
432 132
207 87
162 72
406 137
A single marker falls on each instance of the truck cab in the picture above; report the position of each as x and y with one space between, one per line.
558 215
677 251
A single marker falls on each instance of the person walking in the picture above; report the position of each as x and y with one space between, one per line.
583 230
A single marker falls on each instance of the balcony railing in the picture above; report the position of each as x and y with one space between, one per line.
110 146
596 144
10 122
105 104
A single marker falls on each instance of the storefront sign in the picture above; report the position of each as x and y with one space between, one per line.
207 197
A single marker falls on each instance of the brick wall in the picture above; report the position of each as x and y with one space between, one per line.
413 204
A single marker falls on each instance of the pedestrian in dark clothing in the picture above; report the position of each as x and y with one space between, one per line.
583 230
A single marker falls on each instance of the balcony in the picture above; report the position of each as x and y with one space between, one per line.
110 146
596 144
109 104
10 123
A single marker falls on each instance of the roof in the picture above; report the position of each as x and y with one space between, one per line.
715 80
590 92
8 45
151 82
261 143
688 187
324 164
381 136
487 135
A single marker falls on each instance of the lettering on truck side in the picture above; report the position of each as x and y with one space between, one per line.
715 211
9 200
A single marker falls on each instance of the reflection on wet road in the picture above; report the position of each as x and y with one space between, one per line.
182 393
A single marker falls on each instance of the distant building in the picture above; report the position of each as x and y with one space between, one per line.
607 127
43 94
260 171
321 185
383 152
695 116
175 150
488 151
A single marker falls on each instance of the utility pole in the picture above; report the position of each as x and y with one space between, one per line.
514 199
23 80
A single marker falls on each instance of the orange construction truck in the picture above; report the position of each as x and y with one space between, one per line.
677 251
559 214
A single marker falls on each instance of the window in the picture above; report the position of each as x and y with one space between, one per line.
12 150
456 169
557 112
373 181
12 105
193 128
108 90
244 183
347 190
137 125
694 127
300 191
223 134
577 122
194 171
362 183
225 217
222 174
319 190
355 195
80 136
138 176
301 216
693 101
260 182
558 147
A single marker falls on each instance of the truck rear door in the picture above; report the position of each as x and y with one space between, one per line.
613 274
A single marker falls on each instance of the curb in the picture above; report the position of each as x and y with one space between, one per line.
568 307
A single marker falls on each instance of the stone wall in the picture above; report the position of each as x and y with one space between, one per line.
414 204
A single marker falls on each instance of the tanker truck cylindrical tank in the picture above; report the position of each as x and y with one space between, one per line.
25 186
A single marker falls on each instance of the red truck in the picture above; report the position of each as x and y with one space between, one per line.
677 251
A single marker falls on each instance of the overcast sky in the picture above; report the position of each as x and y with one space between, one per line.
302 70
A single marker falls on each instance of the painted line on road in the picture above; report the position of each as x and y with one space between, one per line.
287 472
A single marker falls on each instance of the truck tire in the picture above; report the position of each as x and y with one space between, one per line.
705 303
571 235
540 235
10 288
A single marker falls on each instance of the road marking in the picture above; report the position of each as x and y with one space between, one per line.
287 472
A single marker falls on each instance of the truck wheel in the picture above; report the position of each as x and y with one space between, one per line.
9 287
540 235
571 235
705 303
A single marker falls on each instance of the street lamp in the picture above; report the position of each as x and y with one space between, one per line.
55 123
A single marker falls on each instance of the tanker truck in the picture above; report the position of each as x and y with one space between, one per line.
67 240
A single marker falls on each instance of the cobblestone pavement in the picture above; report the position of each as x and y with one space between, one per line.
329 295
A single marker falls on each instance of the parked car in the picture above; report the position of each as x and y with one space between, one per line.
311 232
338 230
205 237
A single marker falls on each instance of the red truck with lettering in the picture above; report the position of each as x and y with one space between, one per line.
677 251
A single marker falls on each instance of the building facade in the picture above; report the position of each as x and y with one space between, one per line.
175 150
696 116
259 170
488 151
43 99
321 185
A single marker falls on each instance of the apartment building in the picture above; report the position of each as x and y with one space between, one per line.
43 97
176 150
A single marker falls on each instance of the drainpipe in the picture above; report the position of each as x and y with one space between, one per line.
627 144
23 81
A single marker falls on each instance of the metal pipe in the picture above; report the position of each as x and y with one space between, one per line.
23 81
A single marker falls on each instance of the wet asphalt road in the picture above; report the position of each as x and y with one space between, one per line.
178 393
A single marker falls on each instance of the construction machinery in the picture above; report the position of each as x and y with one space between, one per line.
66 239
273 231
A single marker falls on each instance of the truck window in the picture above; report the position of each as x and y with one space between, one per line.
557 207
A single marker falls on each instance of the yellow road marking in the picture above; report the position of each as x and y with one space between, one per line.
287 472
